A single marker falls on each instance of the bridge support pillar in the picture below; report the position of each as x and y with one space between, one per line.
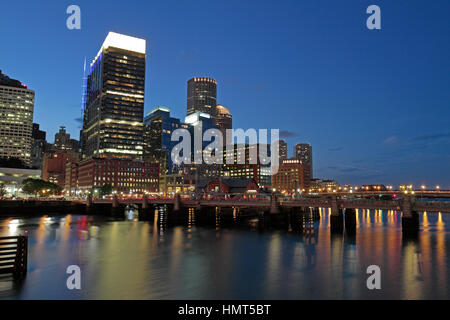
177 203
144 202
336 217
89 201
274 205
410 218
350 221
115 202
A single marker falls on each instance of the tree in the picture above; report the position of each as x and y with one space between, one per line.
2 190
106 189
38 186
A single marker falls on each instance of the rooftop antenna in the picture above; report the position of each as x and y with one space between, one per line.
84 88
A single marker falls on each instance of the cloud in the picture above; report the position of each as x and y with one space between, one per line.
391 140
432 137
287 134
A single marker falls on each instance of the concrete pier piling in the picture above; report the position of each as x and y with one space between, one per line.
350 221
410 218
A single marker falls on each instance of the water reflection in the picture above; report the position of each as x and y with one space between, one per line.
132 259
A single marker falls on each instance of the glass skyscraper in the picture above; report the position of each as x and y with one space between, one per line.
114 110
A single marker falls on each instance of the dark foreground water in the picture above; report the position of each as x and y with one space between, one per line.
136 260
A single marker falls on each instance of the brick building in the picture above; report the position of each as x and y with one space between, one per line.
125 176
290 177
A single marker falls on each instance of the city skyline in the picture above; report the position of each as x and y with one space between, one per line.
390 154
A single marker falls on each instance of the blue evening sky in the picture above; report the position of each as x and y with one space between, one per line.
375 104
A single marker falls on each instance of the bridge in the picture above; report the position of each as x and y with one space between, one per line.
276 207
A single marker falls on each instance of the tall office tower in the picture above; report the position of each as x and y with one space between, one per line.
224 120
282 148
114 113
16 119
38 145
202 96
158 128
303 152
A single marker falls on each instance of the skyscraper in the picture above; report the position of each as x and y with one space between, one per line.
224 120
282 150
64 142
303 152
16 119
114 112
158 128
202 96
38 146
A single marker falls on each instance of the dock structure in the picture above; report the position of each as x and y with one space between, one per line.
13 256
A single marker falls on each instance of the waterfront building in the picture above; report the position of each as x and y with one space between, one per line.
373 187
319 185
303 152
54 166
114 110
289 178
16 119
232 186
38 146
224 120
170 184
12 178
125 176
202 96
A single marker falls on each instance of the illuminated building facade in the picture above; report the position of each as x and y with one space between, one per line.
125 176
252 168
16 119
289 178
303 152
224 120
202 96
319 185
12 178
114 111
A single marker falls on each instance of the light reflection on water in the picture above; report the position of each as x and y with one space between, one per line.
141 260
